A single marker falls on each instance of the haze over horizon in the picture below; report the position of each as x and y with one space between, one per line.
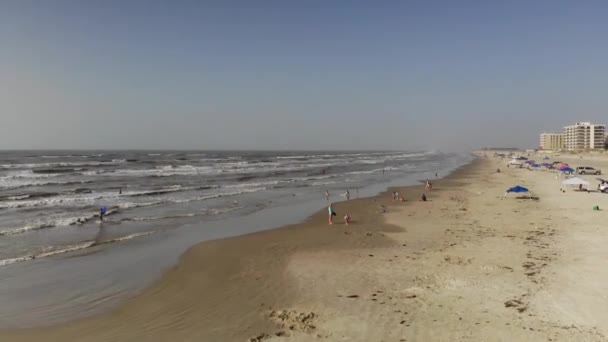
298 75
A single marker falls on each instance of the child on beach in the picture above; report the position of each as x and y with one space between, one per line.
347 219
423 198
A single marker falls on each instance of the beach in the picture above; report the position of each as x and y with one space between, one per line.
466 265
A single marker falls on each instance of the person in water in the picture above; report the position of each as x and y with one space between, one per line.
327 195
347 194
101 215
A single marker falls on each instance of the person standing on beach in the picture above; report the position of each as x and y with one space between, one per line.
331 213
347 195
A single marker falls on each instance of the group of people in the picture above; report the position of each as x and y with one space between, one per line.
397 197
330 208
332 213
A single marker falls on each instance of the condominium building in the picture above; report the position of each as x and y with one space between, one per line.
552 141
584 136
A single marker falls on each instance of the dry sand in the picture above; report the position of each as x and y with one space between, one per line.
465 266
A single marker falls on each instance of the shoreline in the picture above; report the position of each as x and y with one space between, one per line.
104 280
207 249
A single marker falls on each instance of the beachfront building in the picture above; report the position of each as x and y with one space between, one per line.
584 136
552 141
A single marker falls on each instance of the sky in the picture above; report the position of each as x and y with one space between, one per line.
298 75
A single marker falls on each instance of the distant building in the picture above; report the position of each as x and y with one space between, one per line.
584 136
552 141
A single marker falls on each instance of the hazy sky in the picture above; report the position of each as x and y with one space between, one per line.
298 74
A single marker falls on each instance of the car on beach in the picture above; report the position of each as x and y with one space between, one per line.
587 170
603 186
515 162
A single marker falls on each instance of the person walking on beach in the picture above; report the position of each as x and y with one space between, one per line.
347 195
331 213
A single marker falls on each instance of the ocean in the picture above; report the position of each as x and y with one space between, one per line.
59 262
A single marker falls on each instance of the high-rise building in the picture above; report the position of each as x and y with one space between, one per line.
584 136
552 141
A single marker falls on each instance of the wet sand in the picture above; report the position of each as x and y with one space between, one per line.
466 265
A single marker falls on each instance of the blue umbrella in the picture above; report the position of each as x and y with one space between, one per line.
517 189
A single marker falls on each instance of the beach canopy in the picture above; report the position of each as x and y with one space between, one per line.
576 181
566 169
517 189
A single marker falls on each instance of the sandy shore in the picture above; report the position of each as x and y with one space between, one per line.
467 265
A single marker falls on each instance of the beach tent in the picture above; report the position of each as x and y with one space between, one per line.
517 189
575 181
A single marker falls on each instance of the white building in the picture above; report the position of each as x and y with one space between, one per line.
552 141
584 136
